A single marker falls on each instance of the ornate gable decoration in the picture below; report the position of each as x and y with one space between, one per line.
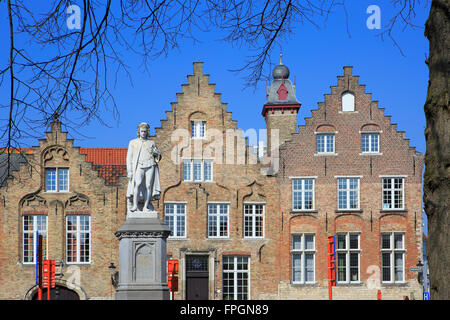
255 192
77 204
33 204
55 155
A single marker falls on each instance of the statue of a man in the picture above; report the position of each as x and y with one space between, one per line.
142 169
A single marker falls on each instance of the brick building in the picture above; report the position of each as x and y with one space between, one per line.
349 173
243 227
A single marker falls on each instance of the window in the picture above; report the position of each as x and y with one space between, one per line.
302 253
325 143
78 239
393 257
198 129
348 254
254 220
218 220
303 194
348 193
57 179
348 102
393 193
235 278
370 142
197 170
31 225
175 218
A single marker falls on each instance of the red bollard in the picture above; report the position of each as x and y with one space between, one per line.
379 295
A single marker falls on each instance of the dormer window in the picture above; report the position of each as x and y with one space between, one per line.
348 102
198 129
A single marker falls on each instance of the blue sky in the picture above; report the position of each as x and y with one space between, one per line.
314 56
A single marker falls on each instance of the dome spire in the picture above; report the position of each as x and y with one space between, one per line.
281 57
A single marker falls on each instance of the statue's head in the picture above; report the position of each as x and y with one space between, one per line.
143 130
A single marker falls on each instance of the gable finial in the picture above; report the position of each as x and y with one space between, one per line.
55 116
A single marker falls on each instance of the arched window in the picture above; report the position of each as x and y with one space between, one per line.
348 102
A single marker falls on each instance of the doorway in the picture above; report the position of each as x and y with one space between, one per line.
197 280
58 293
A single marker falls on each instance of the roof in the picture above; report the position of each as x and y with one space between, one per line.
16 150
100 156
111 172
14 160
109 162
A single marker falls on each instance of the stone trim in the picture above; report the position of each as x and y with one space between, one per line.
141 234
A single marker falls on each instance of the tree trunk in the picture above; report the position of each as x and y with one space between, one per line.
437 157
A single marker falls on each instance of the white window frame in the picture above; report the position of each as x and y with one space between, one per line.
326 136
252 216
235 273
78 233
196 129
57 176
347 190
392 192
190 164
32 234
176 216
347 251
370 143
302 191
218 214
346 104
302 251
392 251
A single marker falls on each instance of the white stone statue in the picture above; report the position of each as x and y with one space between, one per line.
142 170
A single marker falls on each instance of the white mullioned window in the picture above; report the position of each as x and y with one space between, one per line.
198 170
393 257
218 216
236 278
348 193
348 257
370 142
198 129
302 194
303 258
393 193
175 218
57 179
254 220
31 225
325 143
78 239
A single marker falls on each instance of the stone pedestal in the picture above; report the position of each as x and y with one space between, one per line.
142 258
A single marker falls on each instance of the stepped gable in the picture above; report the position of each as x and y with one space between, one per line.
347 112
110 163
196 101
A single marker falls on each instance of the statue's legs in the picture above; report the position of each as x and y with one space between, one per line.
149 186
139 177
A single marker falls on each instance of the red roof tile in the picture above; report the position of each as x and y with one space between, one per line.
111 172
100 156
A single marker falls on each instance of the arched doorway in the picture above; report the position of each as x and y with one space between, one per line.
57 293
